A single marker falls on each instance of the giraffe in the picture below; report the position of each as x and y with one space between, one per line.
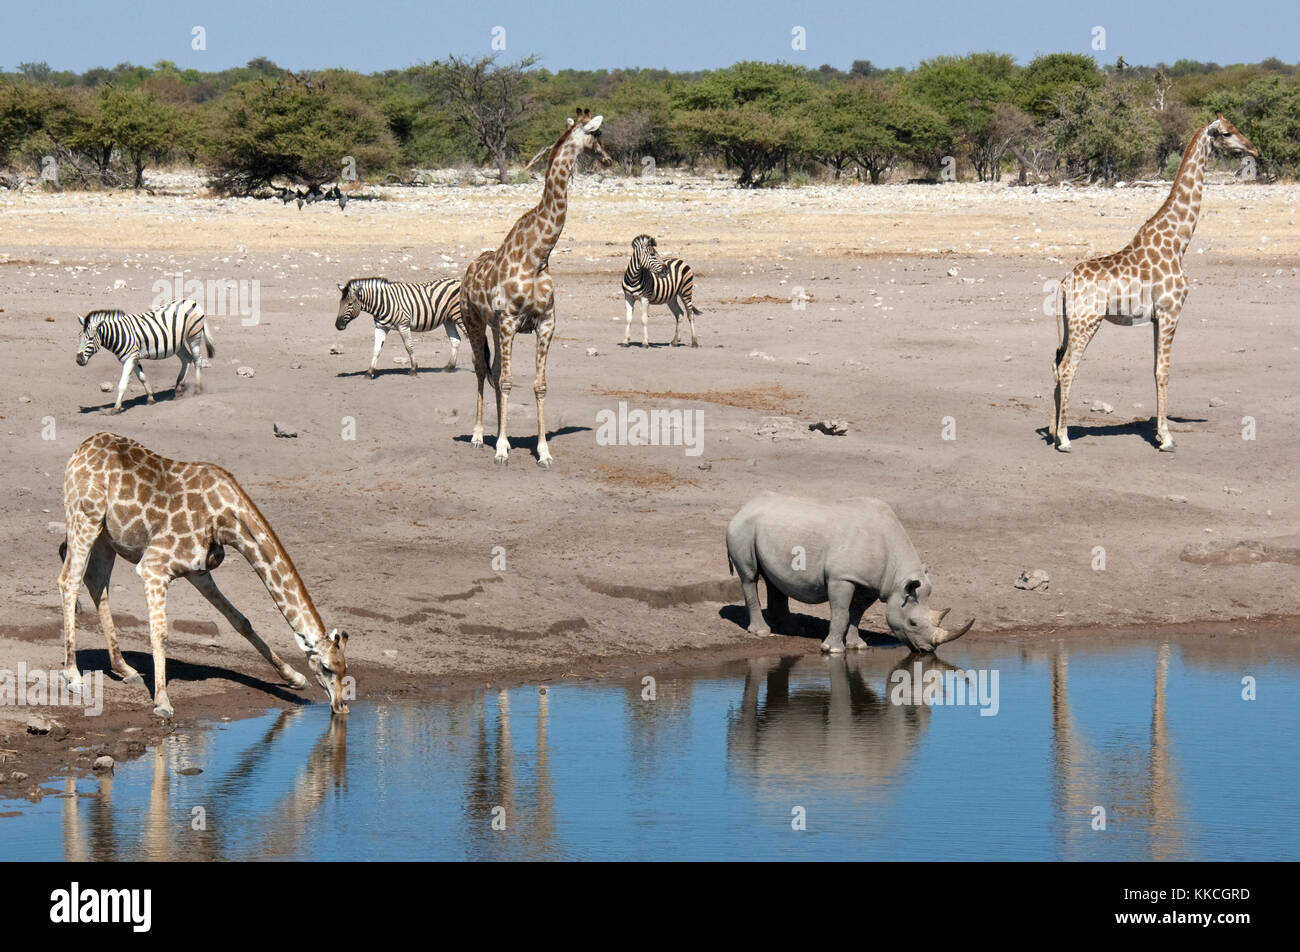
1143 282
509 290
173 520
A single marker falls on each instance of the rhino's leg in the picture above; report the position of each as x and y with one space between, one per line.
841 597
749 585
861 602
778 610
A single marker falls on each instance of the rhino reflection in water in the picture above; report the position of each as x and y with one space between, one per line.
836 726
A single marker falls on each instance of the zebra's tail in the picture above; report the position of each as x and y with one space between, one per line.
694 309
207 341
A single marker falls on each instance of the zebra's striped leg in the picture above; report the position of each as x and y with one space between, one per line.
675 306
380 335
690 319
197 354
410 347
186 360
127 365
645 323
453 338
627 331
148 390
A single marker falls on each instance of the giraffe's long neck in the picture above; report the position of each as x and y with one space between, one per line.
551 210
1182 209
256 541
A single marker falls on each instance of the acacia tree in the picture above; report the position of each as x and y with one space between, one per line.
297 129
755 116
491 101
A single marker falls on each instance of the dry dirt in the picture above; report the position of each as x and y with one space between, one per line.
615 558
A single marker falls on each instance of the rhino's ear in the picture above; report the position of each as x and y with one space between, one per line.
912 588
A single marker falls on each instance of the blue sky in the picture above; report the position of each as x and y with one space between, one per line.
370 35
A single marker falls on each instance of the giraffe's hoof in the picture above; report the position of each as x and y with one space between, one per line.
1063 447
832 649
164 711
1168 447
545 462
297 680
501 460
762 631
133 678
115 410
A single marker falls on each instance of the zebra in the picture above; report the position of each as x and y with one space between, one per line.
406 307
655 280
176 328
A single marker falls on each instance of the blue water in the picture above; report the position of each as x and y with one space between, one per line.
722 764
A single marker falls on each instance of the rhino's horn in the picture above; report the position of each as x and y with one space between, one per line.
943 635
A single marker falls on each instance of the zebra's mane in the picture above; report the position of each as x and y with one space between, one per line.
364 282
103 314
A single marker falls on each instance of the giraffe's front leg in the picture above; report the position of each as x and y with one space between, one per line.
505 342
1165 326
544 334
208 589
156 582
380 335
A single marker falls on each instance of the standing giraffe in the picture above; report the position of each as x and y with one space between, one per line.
510 290
1143 282
173 520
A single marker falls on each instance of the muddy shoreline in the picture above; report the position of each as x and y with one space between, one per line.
127 728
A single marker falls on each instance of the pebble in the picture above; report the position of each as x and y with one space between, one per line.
283 432
17 776
190 771
104 763
1176 498
1035 581
105 387
592 352
245 371
831 427
1217 402
336 349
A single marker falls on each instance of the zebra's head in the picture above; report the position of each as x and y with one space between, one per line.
88 342
349 306
645 254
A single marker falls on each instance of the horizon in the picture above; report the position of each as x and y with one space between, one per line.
680 37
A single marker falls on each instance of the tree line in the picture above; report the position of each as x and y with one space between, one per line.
981 116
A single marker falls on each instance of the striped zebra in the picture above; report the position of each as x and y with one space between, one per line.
176 328
655 280
404 306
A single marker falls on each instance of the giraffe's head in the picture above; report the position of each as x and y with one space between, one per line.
1227 138
88 342
584 132
328 664
349 306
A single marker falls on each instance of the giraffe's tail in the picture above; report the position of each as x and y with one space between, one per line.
1062 329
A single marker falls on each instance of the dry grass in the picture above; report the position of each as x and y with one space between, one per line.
641 477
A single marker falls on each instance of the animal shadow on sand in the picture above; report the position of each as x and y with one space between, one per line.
799 625
397 371
96 659
1143 428
142 400
528 443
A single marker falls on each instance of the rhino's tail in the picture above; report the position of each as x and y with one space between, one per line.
731 566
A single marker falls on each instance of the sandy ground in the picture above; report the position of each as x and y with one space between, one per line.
616 556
